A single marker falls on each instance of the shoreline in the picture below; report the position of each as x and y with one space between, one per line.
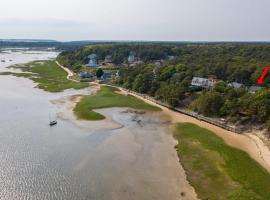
248 142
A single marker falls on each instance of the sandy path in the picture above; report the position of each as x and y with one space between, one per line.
70 73
247 142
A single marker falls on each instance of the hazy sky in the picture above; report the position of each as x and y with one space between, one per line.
185 20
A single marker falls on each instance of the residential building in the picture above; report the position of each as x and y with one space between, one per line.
85 75
92 61
107 76
254 89
236 85
131 57
200 82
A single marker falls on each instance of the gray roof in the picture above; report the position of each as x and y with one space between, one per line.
254 89
198 81
236 85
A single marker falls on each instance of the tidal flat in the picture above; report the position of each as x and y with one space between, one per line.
127 156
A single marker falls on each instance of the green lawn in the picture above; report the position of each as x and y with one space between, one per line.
218 171
106 98
48 75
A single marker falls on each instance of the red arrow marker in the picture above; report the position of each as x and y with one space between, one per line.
260 80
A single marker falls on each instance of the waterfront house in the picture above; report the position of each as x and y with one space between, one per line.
254 89
131 57
86 75
92 61
107 76
236 85
200 82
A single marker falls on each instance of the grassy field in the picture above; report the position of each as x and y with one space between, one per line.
107 98
48 75
218 171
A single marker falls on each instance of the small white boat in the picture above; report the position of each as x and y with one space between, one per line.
52 123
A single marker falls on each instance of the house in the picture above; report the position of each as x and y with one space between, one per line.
108 59
131 57
200 82
236 85
254 89
85 75
107 76
92 61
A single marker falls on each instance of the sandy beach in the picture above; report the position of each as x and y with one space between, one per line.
248 142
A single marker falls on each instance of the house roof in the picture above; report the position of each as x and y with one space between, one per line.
254 89
236 85
199 80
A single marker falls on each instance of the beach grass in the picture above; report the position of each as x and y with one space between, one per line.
218 171
107 97
48 75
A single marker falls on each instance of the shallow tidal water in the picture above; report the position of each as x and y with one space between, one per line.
128 156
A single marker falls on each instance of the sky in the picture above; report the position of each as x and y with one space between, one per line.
156 20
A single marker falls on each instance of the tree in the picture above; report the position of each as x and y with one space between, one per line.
209 104
99 73
220 87
138 84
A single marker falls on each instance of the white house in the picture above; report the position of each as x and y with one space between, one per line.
92 61
200 82
131 57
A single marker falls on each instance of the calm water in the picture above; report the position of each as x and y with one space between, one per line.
116 159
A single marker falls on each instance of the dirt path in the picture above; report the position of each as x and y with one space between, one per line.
69 72
248 142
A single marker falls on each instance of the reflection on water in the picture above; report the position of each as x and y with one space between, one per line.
129 160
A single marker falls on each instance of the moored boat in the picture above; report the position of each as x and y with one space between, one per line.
52 123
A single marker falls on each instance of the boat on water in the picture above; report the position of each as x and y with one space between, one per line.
53 123
52 120
3 61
